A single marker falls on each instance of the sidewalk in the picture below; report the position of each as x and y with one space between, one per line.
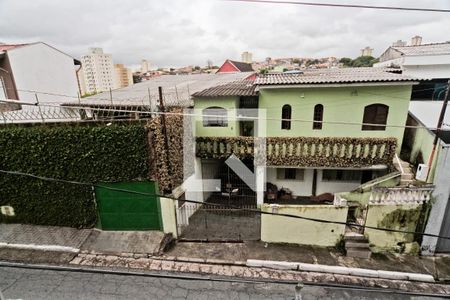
61 244
33 244
439 267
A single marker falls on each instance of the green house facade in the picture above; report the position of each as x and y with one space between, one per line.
325 131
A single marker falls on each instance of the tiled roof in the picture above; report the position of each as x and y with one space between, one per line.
235 88
425 49
330 76
176 89
242 66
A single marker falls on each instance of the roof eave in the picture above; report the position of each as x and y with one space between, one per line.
315 85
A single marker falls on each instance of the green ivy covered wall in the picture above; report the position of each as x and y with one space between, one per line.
86 153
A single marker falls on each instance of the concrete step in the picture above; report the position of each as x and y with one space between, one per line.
357 244
360 253
407 176
353 236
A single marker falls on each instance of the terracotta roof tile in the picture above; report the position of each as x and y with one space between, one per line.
242 66
425 49
330 76
235 88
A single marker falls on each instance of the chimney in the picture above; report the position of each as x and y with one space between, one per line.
416 40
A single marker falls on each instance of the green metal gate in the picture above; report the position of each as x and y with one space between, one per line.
119 210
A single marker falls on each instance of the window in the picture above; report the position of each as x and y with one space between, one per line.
341 175
215 117
2 89
318 116
290 174
375 114
286 112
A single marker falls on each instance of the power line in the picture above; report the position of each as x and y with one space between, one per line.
219 204
216 116
347 5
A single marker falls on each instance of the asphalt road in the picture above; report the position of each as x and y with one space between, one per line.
20 283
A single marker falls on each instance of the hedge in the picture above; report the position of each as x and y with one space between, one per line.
78 153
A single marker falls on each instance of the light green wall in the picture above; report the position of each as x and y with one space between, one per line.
229 103
400 217
423 142
279 229
168 216
341 104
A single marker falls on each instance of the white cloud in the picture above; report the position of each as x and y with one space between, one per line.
182 32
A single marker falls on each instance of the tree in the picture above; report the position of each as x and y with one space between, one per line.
346 61
364 61
137 78
209 63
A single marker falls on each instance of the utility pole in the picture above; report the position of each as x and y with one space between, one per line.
164 131
39 107
110 96
439 127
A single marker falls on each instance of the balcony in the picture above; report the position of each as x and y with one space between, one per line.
331 152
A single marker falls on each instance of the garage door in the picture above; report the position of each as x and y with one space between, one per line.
119 210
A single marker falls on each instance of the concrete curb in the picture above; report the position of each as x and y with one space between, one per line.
55 248
381 274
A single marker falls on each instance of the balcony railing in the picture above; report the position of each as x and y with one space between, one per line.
302 151
401 195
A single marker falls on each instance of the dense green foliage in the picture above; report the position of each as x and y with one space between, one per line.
78 153
362 61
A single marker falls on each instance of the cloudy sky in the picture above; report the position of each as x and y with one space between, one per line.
189 32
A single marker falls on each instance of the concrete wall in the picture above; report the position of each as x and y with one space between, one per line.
400 217
39 67
304 187
441 197
334 186
279 229
423 143
168 216
298 187
230 104
341 104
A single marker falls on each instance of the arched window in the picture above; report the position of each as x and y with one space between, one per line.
375 114
318 116
215 116
286 113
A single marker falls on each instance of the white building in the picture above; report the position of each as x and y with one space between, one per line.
247 57
145 66
422 60
37 71
98 69
367 51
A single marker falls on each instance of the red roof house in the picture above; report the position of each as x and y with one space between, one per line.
231 66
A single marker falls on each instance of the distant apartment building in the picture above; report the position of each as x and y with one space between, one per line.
98 71
123 76
145 66
367 51
247 57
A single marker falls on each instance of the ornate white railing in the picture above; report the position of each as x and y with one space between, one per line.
401 195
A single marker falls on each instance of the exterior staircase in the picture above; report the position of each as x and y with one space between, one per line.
357 245
407 174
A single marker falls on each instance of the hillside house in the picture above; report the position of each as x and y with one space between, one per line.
317 143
